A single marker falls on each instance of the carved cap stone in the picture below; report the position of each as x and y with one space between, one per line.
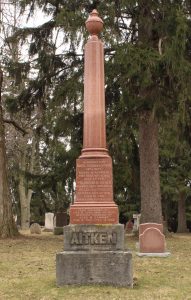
94 23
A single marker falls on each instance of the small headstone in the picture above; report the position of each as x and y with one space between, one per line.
61 219
152 240
129 227
35 228
136 218
49 221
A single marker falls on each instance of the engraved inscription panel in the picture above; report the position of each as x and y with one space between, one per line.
94 182
94 215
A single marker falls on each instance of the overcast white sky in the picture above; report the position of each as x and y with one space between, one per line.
36 20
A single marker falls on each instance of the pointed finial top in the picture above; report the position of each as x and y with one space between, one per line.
94 12
94 23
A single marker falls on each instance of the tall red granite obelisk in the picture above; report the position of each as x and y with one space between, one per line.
94 239
94 181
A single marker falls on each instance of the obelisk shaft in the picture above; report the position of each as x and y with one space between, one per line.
94 95
94 179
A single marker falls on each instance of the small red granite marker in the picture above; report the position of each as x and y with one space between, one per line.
151 238
94 180
152 241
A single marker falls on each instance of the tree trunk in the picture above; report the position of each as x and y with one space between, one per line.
25 217
151 210
25 201
7 225
25 192
182 227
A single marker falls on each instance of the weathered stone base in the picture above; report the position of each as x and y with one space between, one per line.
58 230
94 254
98 267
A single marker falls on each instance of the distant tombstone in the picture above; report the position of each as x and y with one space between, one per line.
136 218
49 221
129 227
61 219
35 228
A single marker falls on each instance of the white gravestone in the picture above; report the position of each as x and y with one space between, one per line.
136 218
49 221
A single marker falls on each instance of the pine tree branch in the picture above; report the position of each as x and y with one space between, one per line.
16 125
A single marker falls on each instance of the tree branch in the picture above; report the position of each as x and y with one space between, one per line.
16 125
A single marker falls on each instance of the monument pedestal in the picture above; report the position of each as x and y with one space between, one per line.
94 254
94 192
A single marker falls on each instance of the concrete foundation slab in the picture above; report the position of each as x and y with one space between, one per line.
98 267
164 254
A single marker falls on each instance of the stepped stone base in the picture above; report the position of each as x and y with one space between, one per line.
99 267
94 254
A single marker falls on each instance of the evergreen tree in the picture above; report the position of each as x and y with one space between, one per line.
20 151
147 63
175 161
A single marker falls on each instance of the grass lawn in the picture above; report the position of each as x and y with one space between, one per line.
27 271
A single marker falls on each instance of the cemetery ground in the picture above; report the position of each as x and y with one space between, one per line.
27 271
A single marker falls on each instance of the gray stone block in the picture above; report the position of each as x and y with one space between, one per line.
98 267
58 230
94 237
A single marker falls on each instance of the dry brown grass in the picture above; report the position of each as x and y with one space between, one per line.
27 271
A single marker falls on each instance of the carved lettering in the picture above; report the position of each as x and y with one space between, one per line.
87 235
94 238
112 238
94 180
100 214
80 237
74 240
103 238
